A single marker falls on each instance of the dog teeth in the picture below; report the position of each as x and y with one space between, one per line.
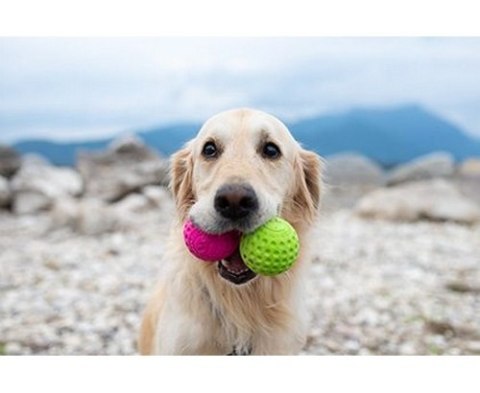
227 266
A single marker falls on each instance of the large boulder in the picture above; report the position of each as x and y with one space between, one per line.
34 159
467 179
151 199
158 197
349 176
10 161
88 216
92 216
5 192
126 166
437 200
38 184
351 168
430 166
470 168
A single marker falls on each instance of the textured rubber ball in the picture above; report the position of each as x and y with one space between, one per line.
271 249
207 246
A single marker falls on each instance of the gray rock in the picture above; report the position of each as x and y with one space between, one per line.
437 200
126 166
470 168
96 218
10 161
88 216
37 185
133 203
351 168
5 192
430 166
34 159
473 347
65 212
157 196
467 179
151 199
31 202
349 176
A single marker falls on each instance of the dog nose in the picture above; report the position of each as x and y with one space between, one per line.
235 201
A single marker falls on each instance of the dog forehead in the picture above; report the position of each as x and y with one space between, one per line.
250 123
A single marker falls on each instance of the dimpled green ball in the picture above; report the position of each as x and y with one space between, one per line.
271 249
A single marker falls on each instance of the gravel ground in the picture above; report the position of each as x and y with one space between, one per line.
375 287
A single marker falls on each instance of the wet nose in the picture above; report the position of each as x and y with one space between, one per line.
236 201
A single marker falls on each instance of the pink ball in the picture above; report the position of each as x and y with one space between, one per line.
209 247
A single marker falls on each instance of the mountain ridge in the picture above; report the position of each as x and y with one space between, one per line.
389 136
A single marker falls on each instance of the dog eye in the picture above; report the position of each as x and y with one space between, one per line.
209 150
271 150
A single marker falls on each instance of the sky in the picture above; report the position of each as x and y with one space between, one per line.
88 88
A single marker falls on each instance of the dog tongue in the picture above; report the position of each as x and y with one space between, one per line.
235 263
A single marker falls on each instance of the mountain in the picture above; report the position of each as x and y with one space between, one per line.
165 140
389 136
57 152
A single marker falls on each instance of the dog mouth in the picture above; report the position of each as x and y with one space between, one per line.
233 269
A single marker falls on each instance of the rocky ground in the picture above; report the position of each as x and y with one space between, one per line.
379 287
376 287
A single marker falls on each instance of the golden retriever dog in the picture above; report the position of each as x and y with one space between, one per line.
242 169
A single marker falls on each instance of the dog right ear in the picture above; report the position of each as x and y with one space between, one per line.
181 181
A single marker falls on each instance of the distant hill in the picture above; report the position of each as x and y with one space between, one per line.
388 136
165 140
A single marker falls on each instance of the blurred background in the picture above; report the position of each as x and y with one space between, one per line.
86 129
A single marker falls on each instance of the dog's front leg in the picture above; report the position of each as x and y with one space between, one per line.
184 333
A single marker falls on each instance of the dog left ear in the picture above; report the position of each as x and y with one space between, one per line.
306 200
181 182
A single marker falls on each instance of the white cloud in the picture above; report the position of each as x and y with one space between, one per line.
96 85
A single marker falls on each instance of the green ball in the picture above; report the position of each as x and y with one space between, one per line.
271 249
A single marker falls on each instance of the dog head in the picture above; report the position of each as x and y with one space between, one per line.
243 168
